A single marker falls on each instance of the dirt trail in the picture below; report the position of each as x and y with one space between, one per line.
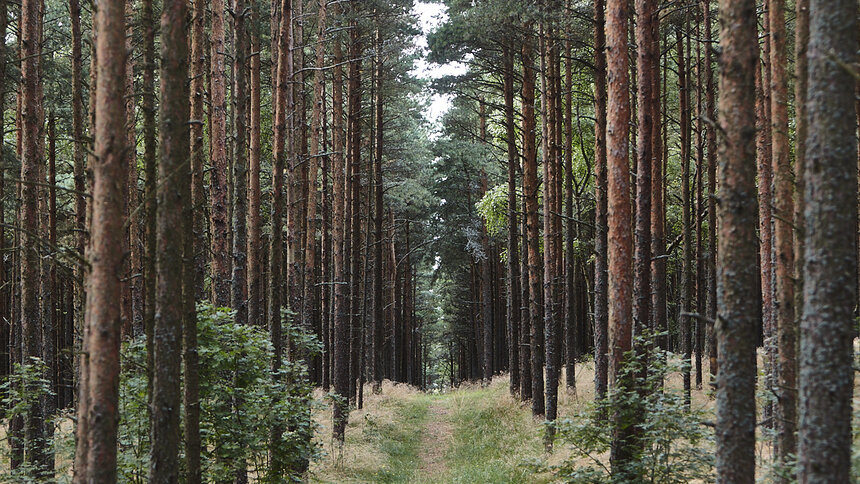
437 436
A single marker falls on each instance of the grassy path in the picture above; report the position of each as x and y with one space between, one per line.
471 435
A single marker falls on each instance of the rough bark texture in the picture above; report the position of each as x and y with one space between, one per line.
196 260
104 287
340 338
530 191
687 287
378 289
219 224
620 237
513 261
255 229
279 153
737 313
239 281
826 375
601 309
783 212
711 142
32 161
647 66
173 195
198 145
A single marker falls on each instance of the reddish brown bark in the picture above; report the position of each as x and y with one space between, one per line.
109 164
783 213
239 281
530 191
219 221
620 237
195 246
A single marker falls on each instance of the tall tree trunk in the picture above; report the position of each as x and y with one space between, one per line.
354 179
32 160
530 189
620 237
195 261
826 374
255 229
601 308
341 305
783 206
687 232
737 269
239 282
378 289
282 98
174 194
550 223
647 62
513 261
219 224
711 142
571 318
101 384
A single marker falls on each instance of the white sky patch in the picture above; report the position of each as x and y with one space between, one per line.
430 16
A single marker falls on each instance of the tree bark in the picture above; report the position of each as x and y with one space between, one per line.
219 223
737 313
101 384
601 308
530 191
174 194
340 335
826 374
783 207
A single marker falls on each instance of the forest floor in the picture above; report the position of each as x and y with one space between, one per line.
469 434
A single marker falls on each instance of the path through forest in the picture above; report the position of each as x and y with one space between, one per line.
470 434
437 436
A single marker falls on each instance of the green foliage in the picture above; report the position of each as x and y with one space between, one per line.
25 389
240 401
672 443
493 208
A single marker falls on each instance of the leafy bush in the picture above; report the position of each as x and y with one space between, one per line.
672 443
240 402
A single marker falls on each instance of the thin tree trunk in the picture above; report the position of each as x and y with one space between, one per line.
341 318
32 161
255 229
282 98
219 223
783 206
530 189
513 262
601 308
378 289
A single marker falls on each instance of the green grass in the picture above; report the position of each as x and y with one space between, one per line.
494 440
400 441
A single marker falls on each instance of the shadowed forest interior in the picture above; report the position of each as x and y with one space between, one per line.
429 241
